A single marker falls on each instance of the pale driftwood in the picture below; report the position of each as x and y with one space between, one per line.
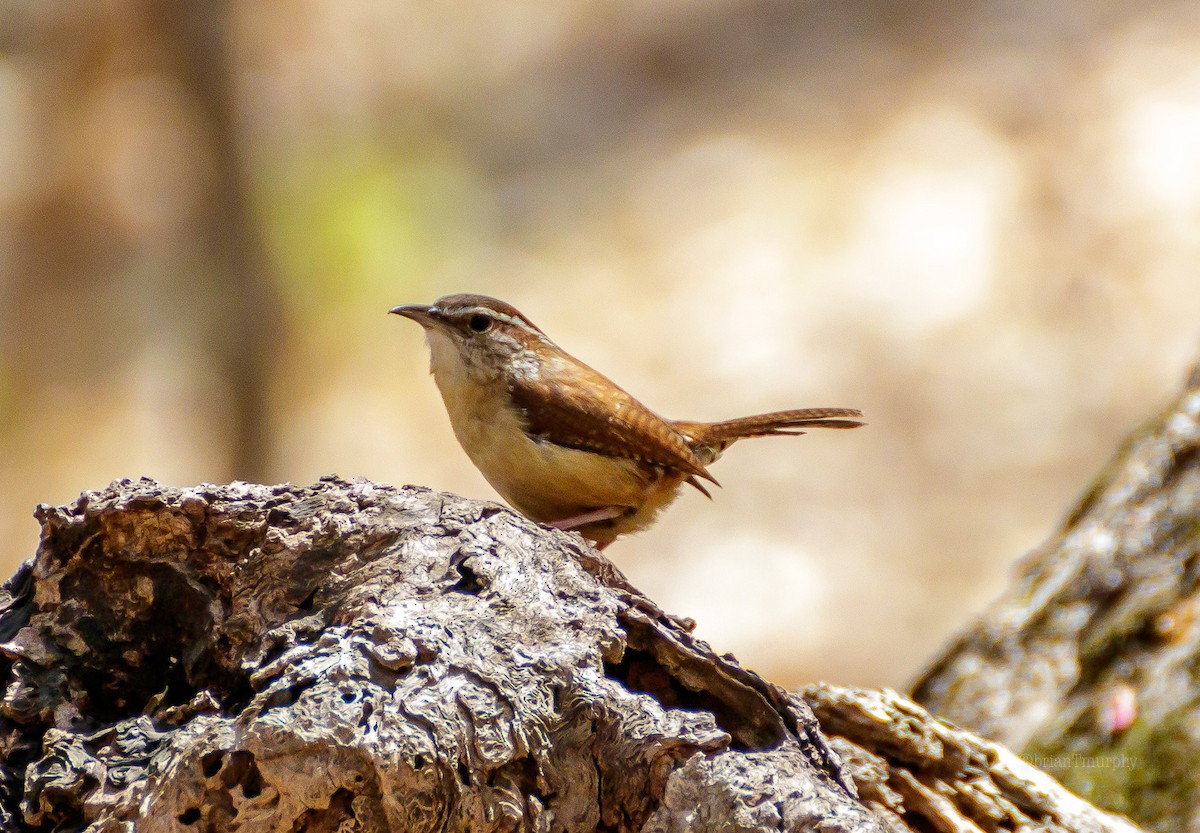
1090 663
904 760
355 657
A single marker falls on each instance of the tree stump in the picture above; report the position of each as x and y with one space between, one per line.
355 657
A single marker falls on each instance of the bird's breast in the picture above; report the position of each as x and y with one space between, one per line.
545 481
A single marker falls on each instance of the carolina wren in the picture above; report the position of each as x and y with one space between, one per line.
560 442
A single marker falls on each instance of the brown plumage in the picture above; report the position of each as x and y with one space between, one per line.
561 442
568 412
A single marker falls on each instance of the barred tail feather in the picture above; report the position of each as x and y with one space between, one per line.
773 424
708 439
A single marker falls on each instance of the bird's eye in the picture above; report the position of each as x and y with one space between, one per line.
480 323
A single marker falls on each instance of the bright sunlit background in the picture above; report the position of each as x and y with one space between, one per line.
977 221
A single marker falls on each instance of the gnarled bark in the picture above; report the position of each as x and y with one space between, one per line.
391 659
355 657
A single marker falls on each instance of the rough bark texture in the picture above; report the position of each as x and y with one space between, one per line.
909 765
1090 663
355 657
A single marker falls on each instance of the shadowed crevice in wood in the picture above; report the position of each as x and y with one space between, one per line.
354 657
379 658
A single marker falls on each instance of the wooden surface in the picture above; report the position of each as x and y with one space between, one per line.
257 658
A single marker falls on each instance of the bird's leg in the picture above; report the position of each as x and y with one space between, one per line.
605 513
576 522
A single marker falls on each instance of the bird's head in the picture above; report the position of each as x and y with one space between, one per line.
481 336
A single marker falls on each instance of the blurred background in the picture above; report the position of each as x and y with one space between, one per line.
977 221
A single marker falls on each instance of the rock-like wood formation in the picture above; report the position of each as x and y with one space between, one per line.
355 657
293 658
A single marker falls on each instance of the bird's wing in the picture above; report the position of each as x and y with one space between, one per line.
564 408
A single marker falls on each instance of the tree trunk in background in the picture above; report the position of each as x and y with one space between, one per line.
245 307
1090 663
137 242
357 657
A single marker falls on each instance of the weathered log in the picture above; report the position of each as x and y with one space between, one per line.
294 658
1090 662
909 765
356 657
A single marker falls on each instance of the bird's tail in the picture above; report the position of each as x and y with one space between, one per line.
709 439
722 434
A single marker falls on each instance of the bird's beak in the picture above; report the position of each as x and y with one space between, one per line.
421 313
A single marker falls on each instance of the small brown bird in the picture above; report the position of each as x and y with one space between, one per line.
562 443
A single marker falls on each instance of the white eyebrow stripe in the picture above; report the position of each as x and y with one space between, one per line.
501 316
